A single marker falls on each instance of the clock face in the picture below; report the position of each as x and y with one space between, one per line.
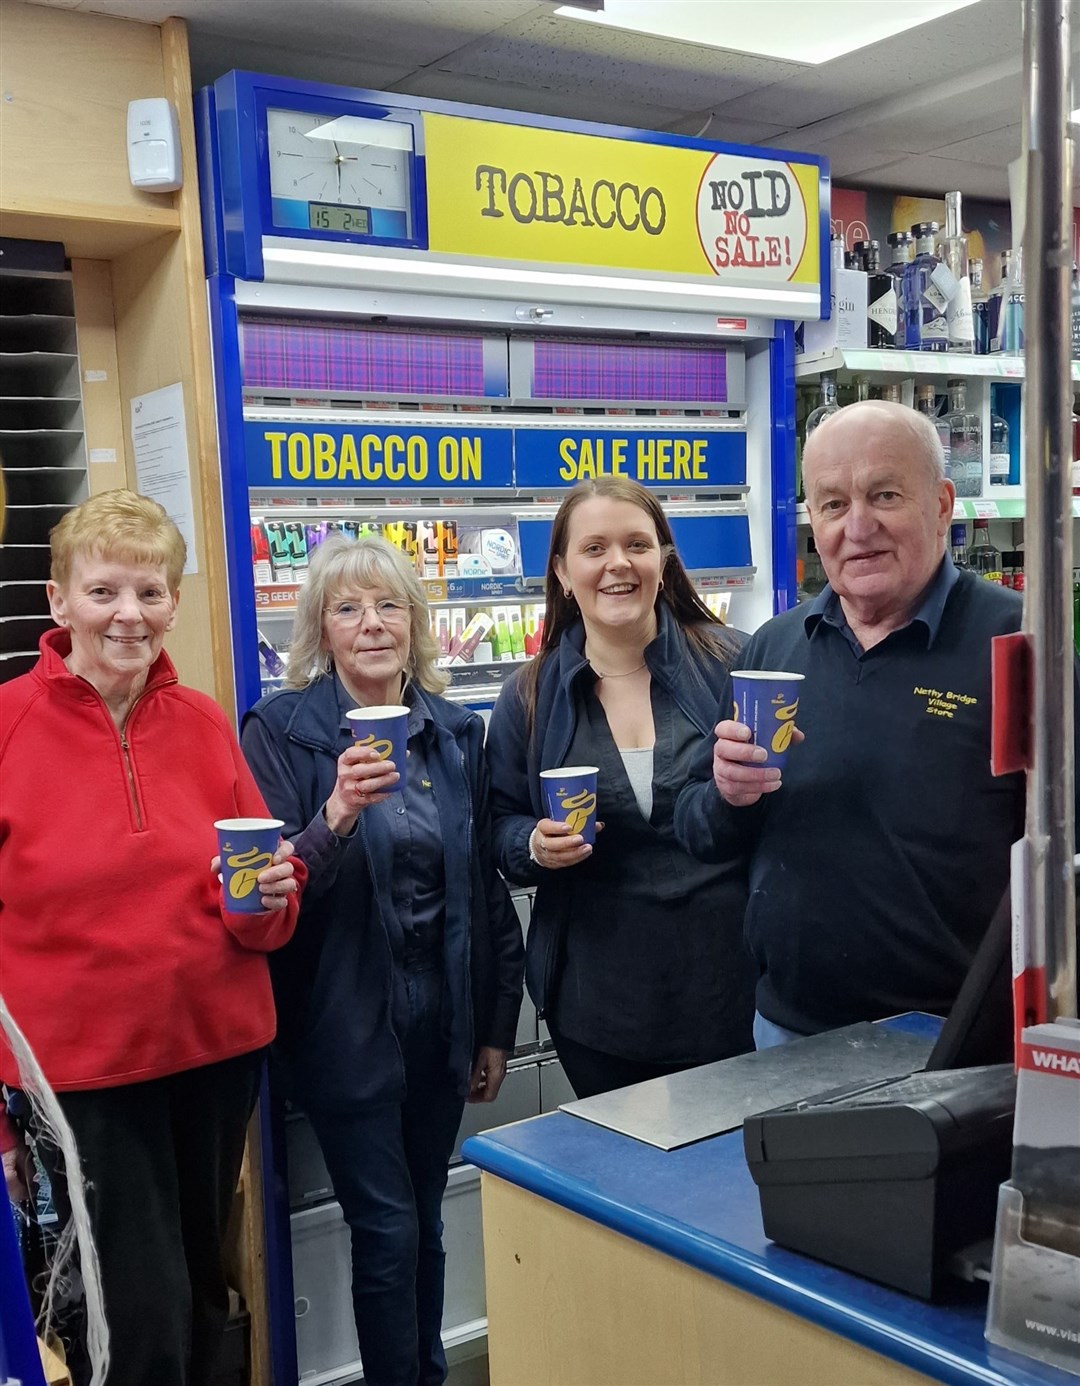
340 173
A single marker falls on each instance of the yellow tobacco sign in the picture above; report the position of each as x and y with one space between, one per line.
515 192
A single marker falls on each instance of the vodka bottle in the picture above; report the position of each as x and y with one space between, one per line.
925 299
880 297
958 544
1000 456
827 403
982 557
901 250
1012 309
980 308
965 442
955 284
926 403
997 303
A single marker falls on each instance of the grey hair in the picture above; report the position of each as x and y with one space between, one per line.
340 566
919 425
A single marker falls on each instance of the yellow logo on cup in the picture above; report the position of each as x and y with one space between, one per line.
785 715
581 807
382 749
246 866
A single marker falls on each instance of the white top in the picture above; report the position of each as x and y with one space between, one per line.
639 771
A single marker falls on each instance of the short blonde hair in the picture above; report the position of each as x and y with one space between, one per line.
119 526
338 567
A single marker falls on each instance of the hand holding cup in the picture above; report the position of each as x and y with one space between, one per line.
363 779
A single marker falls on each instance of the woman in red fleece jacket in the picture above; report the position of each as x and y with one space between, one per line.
147 1003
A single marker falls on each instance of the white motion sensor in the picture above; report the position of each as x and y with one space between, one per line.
153 145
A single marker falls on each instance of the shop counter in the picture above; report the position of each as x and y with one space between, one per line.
610 1262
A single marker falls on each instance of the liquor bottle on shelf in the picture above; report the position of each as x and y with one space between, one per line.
826 406
902 248
1012 308
980 308
982 558
862 389
1006 307
958 544
1076 314
926 403
965 442
955 285
1000 456
923 297
880 297
891 392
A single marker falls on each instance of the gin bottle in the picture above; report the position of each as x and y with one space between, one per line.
926 403
901 248
826 406
880 296
925 299
965 442
1000 456
955 284
1012 309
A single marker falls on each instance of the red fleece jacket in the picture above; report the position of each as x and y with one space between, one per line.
117 959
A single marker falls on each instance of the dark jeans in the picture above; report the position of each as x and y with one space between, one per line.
591 1072
388 1165
161 1161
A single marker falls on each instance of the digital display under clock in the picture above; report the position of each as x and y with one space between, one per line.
330 216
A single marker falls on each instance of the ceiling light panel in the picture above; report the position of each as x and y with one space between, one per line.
794 30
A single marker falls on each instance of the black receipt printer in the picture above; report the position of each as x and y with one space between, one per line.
888 1179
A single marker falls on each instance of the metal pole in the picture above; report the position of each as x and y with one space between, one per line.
1048 530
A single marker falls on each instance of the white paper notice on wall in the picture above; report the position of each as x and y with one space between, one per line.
162 466
102 454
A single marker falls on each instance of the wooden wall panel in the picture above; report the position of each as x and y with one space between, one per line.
102 415
67 79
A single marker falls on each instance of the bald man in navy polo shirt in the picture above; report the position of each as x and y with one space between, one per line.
876 862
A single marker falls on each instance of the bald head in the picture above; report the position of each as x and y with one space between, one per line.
915 436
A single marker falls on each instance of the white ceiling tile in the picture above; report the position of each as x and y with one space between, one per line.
994 147
924 173
214 54
516 96
564 55
970 38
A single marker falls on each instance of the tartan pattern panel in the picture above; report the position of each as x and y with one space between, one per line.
566 369
347 358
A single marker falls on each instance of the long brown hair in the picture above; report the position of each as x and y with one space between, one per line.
676 592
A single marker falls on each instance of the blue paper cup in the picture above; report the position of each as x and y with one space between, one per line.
386 731
766 701
246 847
570 797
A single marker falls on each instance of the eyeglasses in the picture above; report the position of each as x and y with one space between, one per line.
388 611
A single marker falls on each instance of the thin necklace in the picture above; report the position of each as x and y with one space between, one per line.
626 675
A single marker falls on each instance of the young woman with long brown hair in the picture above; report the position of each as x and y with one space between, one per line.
635 952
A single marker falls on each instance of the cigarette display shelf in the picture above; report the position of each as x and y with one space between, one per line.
42 446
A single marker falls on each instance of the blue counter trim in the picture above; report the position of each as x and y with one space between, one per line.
699 1206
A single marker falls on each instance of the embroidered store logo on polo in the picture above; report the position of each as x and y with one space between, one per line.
939 704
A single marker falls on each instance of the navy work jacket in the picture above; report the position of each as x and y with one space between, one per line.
339 984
